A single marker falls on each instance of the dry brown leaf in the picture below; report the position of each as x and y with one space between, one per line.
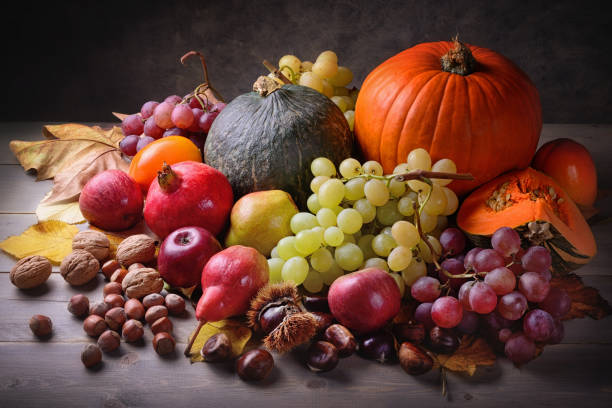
473 352
120 116
237 332
586 301
51 239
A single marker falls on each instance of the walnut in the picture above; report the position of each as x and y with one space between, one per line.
93 242
136 248
141 282
79 267
30 272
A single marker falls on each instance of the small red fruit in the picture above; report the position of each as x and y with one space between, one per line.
188 193
111 200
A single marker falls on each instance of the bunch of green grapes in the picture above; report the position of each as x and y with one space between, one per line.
325 76
361 218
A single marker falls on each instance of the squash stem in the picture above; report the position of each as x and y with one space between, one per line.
459 59
276 72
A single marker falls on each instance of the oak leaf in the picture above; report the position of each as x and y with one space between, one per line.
586 301
473 352
51 239
237 332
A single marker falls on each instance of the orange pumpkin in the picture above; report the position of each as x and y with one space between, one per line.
457 101
571 165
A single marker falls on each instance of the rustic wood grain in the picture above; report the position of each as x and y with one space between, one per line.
49 373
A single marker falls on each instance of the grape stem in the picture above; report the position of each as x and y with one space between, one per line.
276 72
294 76
421 175
202 88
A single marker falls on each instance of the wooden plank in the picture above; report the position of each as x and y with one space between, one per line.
566 375
19 191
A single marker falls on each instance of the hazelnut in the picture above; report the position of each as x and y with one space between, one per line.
112 287
413 360
114 300
154 299
94 325
342 338
254 365
136 248
136 265
217 348
94 242
411 332
322 356
91 355
141 282
132 331
155 312
30 272
134 309
79 305
115 318
41 325
118 275
109 267
163 324
163 343
175 304
109 341
79 267
99 309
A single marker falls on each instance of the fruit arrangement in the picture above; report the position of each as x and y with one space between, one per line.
421 242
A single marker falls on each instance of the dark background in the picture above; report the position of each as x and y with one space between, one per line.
78 61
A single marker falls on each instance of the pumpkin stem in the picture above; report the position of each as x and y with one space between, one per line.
168 180
264 86
276 72
206 85
459 59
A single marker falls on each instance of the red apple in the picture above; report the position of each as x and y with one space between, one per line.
111 200
364 300
184 253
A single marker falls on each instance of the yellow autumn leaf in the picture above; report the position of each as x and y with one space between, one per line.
51 239
66 210
237 332
473 352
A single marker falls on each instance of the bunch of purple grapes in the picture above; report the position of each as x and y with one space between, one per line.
190 117
504 292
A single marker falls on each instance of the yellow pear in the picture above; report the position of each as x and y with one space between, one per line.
261 219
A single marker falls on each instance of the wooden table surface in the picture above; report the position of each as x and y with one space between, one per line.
577 372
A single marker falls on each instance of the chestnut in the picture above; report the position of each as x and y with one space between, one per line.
91 355
41 325
99 309
134 309
94 325
322 356
132 330
155 312
112 287
254 365
443 341
315 303
109 341
153 299
413 360
109 267
163 324
378 346
115 318
175 304
411 332
342 338
79 305
217 348
324 320
114 300
163 343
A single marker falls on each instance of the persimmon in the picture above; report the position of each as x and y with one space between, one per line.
570 164
150 159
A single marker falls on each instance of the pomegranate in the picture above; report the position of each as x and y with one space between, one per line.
111 200
188 194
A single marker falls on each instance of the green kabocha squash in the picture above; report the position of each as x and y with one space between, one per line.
266 139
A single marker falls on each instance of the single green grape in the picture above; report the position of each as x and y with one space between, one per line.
275 265
286 248
414 271
397 188
319 231
326 217
428 222
341 103
324 68
444 166
405 205
295 269
354 188
366 209
348 256
322 166
400 283
290 61
373 168
399 258
316 182
382 244
307 241
388 213
328 55
419 159
274 253
311 80
376 192
349 115
401 168
302 221
331 193
436 204
333 236
376 263
343 77
387 230
349 221
452 202
350 167
313 203
328 89
313 282
321 260
405 234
